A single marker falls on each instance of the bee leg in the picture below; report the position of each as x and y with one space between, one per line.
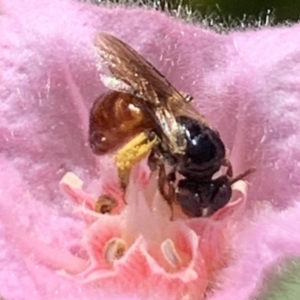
227 163
242 175
171 178
152 162
129 155
162 181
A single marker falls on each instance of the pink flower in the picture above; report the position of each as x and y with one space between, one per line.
142 243
245 83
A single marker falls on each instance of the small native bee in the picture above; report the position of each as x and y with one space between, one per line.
144 112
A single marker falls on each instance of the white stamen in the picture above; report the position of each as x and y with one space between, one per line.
170 253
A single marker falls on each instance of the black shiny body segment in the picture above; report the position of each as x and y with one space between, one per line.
205 151
197 193
203 198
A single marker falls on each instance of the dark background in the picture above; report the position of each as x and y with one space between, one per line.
275 11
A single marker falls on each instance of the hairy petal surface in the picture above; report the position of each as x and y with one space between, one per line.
246 84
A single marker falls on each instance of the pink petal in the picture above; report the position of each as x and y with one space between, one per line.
245 83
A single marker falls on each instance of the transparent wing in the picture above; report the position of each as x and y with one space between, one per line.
187 109
123 68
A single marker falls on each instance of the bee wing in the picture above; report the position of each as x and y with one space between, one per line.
123 69
190 111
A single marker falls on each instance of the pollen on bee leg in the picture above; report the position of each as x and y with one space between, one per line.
132 153
170 253
114 249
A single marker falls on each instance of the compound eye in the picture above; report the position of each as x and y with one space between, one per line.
98 142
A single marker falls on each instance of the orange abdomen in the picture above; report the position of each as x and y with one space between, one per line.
115 118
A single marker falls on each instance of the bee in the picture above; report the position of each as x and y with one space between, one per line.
143 115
